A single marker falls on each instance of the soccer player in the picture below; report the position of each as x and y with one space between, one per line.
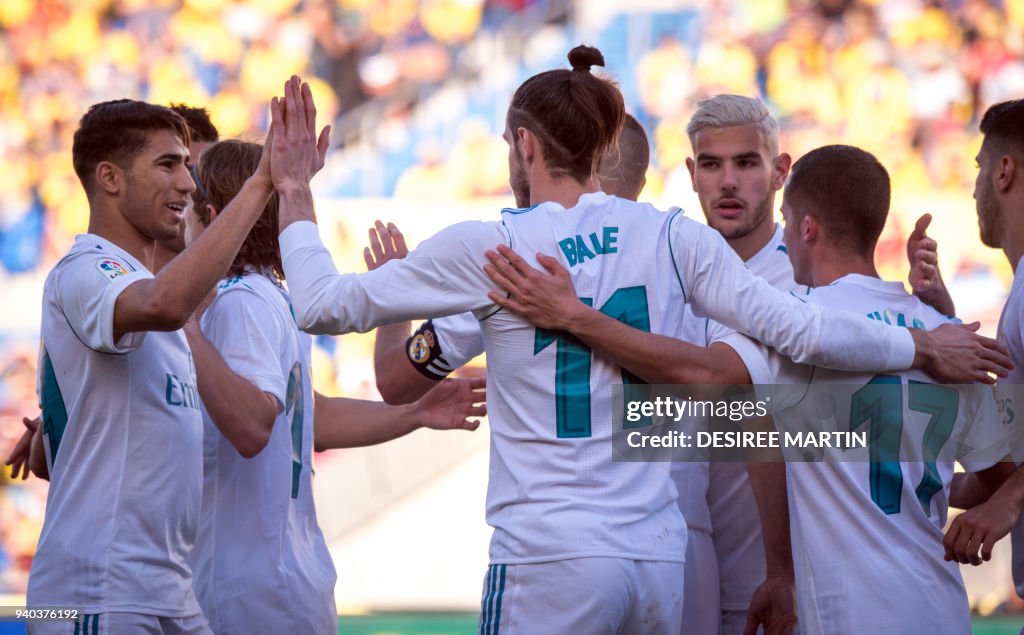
867 532
999 197
407 367
260 562
122 429
202 134
736 170
581 543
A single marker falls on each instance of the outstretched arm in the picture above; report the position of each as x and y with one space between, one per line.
349 423
165 302
441 277
722 288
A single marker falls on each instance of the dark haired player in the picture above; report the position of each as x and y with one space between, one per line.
122 428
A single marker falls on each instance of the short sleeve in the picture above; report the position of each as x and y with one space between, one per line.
246 333
773 375
87 288
982 441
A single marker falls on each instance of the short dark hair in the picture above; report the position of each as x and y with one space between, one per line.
848 191
117 131
627 161
1003 125
222 172
200 127
575 115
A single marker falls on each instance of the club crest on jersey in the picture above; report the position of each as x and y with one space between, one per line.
419 347
111 268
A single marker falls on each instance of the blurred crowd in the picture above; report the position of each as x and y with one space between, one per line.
417 89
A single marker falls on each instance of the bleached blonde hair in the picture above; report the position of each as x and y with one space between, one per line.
723 111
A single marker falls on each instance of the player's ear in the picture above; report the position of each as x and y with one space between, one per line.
527 144
690 166
109 177
212 211
1007 172
809 229
781 170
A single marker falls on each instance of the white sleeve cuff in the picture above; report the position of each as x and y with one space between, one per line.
903 351
298 235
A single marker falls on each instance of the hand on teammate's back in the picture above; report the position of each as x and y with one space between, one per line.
386 243
448 406
545 299
956 354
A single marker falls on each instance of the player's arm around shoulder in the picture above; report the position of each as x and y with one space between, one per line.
239 375
547 299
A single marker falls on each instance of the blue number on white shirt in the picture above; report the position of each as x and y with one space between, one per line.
294 405
572 360
880 401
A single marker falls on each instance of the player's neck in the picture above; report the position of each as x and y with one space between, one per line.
825 271
564 191
161 256
1013 235
111 225
748 245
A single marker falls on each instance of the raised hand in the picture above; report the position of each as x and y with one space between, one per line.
546 299
451 403
386 243
296 152
925 279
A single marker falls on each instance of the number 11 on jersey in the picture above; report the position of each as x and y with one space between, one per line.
573 358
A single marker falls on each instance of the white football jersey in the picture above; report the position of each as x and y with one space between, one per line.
261 563
1010 395
868 535
123 437
554 492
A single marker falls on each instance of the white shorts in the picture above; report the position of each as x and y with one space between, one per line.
701 612
120 623
595 596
